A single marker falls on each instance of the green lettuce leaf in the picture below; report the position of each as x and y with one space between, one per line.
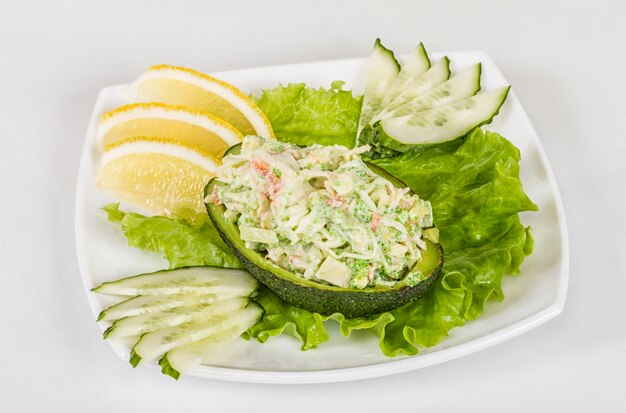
180 242
304 116
280 317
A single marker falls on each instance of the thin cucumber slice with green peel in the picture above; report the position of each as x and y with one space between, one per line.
184 358
416 65
148 304
189 280
437 74
145 323
157 343
458 87
381 73
441 124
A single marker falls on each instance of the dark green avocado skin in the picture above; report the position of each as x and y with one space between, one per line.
350 304
324 299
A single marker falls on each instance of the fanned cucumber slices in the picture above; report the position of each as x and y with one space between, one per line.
423 105
437 74
417 64
460 86
179 314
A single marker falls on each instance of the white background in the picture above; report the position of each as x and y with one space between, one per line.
566 61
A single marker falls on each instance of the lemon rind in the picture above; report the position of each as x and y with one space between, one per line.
230 93
141 144
155 110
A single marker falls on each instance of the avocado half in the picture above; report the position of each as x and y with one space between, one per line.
322 298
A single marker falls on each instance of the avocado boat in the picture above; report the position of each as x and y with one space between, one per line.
322 298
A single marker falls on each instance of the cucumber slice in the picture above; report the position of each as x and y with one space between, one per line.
437 74
441 124
148 304
184 358
417 64
189 280
157 343
145 323
382 71
461 86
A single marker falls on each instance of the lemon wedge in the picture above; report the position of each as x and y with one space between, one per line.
177 85
194 128
162 175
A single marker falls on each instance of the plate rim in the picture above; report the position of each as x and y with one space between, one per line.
385 368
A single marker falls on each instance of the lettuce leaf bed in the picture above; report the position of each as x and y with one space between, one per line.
180 242
305 116
474 187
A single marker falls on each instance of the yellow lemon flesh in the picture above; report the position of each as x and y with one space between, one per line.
175 85
161 175
193 128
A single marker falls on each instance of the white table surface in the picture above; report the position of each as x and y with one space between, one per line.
566 62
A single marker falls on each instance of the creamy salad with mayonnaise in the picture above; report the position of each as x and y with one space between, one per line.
321 213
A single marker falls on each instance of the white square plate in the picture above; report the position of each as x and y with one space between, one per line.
531 299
